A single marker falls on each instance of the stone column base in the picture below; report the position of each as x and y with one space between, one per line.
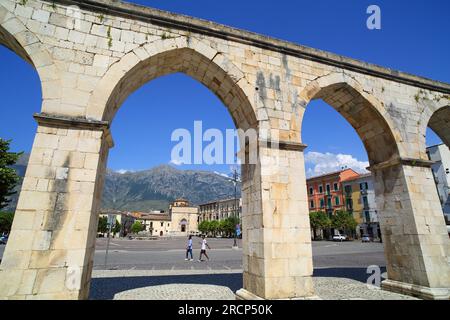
243 294
416 290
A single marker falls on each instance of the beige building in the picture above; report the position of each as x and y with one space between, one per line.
220 209
184 218
181 220
154 224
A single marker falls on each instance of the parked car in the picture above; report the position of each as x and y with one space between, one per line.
340 237
365 238
3 239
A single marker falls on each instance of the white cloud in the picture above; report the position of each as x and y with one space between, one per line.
221 174
321 163
122 171
176 162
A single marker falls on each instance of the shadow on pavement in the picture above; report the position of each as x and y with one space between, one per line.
358 274
106 288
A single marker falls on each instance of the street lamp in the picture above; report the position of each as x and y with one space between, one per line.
236 204
235 179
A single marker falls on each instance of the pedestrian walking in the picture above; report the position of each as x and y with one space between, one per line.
189 249
203 249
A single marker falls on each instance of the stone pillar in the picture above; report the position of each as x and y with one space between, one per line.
277 254
414 234
50 250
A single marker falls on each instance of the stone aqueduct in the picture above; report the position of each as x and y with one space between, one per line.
90 55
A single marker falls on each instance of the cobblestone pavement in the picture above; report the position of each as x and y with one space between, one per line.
178 292
175 285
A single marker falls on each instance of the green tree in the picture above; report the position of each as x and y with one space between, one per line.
226 227
8 176
203 226
213 227
6 220
230 225
319 220
345 221
137 227
221 227
102 225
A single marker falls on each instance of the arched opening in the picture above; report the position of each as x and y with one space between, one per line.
219 78
437 149
21 98
12 44
168 67
440 124
342 191
364 117
183 225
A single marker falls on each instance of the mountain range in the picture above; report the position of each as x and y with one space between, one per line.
152 189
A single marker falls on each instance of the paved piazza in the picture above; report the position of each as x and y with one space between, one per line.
169 254
156 269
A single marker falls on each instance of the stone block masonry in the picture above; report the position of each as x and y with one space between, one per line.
91 55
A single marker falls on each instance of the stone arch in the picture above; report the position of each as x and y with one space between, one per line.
361 109
439 122
181 54
18 38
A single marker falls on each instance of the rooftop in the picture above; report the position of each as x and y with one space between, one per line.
219 201
335 173
435 145
361 176
151 216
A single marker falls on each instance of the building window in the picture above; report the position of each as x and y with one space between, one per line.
162 224
336 201
329 203
367 216
348 189
311 190
328 188
311 204
363 186
322 203
349 204
335 186
320 189
151 224
365 203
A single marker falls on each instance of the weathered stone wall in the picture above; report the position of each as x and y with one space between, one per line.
89 61
50 252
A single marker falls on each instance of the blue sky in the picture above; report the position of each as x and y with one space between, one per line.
414 38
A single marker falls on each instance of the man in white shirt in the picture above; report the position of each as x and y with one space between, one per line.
203 249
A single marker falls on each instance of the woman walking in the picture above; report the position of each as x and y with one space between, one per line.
189 249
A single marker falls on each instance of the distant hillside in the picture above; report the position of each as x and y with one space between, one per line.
153 189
